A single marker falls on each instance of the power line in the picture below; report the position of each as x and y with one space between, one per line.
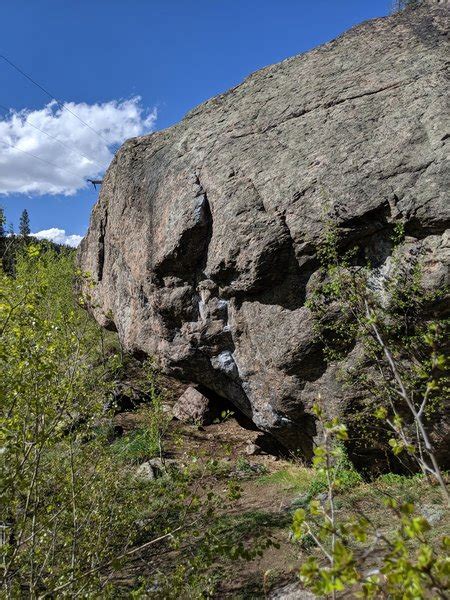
4 108
50 95
40 159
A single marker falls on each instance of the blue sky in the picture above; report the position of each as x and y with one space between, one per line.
173 54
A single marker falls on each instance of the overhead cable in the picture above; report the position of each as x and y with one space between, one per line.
50 95
40 159
52 137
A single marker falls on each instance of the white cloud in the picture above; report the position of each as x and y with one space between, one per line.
58 236
115 121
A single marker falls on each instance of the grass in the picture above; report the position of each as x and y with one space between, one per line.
293 479
369 498
136 446
347 480
310 482
405 488
254 522
145 442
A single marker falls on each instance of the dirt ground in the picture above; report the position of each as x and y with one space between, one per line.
271 485
265 501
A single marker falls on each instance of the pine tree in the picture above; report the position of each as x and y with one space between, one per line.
24 224
2 222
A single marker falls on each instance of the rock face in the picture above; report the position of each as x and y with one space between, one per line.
203 241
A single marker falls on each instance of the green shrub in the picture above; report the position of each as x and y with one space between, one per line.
147 441
403 375
136 446
63 495
408 565
345 475
73 513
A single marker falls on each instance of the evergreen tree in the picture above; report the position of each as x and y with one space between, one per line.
24 224
11 231
2 222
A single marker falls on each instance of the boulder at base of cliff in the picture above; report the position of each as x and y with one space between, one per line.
193 407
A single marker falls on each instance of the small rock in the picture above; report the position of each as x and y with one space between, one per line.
292 591
161 464
433 514
248 470
299 502
270 457
252 449
155 467
193 407
322 497
146 471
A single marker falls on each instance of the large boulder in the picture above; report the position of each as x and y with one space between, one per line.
203 242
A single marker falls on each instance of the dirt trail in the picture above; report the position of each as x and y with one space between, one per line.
266 495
